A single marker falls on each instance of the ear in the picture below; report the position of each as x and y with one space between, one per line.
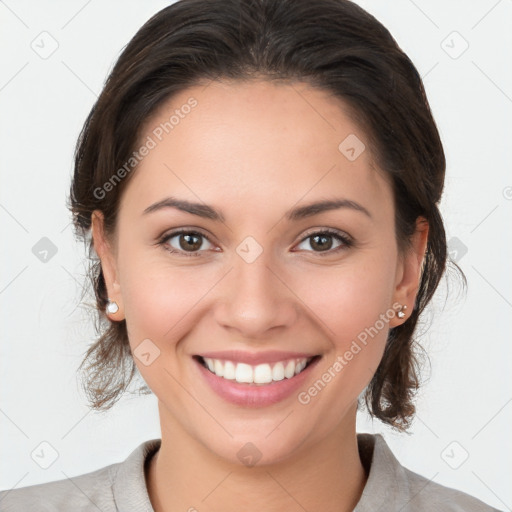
106 253
408 275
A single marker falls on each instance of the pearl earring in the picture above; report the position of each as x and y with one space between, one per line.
401 313
112 307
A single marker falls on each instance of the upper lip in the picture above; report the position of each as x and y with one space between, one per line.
254 358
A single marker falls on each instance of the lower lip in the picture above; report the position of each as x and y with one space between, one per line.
255 395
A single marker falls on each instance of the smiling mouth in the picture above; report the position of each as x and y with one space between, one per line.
259 374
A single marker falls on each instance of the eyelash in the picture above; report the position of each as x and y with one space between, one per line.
346 241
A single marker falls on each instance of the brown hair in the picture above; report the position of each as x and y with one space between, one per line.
333 45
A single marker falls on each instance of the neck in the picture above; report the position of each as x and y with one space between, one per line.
184 476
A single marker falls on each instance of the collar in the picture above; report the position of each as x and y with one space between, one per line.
386 483
129 488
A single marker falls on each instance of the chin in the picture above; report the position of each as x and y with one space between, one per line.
255 450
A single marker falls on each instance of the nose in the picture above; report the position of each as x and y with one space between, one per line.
257 300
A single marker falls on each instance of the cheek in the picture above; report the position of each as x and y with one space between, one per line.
163 301
159 303
163 305
353 307
351 299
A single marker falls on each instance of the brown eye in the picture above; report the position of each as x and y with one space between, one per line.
186 243
190 242
323 242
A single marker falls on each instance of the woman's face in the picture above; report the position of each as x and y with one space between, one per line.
255 281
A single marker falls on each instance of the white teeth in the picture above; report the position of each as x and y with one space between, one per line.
209 363
299 367
278 371
259 374
218 367
229 370
289 369
243 373
262 374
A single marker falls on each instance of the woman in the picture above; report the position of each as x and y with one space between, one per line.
260 181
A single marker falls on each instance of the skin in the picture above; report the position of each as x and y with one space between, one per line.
254 150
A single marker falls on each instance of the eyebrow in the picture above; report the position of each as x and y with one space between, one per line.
302 212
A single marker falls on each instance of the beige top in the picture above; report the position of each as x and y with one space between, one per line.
122 487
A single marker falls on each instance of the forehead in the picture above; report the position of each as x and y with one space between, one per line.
277 142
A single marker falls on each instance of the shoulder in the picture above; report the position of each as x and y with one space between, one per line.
426 494
391 486
90 491
119 486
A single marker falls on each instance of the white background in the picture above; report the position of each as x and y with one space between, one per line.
44 331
